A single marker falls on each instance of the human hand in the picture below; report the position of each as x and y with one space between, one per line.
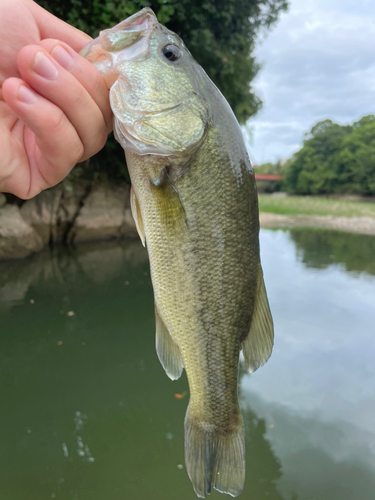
54 105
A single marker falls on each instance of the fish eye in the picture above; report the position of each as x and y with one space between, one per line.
171 52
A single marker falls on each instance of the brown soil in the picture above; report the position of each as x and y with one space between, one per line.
363 225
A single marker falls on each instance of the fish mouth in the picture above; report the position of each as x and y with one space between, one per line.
143 20
125 41
128 31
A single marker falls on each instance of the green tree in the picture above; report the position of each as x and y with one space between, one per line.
335 159
355 163
220 34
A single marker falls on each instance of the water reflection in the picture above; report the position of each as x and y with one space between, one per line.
320 249
88 413
95 264
317 391
263 468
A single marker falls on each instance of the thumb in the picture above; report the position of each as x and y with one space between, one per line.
53 27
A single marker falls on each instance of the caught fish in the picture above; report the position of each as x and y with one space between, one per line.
194 201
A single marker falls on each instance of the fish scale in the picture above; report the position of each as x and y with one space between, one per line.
194 201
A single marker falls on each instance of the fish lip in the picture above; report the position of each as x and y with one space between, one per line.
140 25
129 32
136 20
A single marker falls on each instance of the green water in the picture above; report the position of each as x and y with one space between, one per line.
87 412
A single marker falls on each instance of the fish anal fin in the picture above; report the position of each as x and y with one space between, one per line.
136 212
214 459
167 350
257 346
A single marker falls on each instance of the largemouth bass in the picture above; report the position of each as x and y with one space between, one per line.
194 201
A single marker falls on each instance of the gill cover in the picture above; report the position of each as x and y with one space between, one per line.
155 101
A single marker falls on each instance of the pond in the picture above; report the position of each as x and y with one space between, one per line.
87 412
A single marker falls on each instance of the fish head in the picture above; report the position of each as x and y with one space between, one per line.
154 86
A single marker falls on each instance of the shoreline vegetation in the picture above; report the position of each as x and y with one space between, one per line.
330 181
341 214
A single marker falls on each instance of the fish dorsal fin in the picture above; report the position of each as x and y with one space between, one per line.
169 204
136 212
168 352
257 346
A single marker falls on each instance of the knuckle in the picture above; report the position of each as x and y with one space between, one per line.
96 85
71 146
100 95
96 82
56 122
29 195
78 98
77 152
93 147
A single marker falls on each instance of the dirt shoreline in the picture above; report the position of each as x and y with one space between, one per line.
361 225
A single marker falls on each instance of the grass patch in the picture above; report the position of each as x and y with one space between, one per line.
311 205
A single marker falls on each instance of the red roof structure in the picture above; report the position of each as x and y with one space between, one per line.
268 177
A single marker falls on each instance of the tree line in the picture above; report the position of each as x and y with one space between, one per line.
333 159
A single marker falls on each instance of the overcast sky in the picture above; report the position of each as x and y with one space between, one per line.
318 62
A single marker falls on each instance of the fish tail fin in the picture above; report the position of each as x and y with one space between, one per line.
214 458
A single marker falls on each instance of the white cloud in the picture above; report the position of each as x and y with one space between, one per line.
318 62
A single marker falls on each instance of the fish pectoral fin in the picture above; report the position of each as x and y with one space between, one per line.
257 346
168 351
169 204
136 212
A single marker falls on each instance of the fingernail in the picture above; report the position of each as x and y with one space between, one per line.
62 56
26 95
44 67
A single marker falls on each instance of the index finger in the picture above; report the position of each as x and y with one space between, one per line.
88 76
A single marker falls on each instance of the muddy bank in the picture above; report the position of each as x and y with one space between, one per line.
361 225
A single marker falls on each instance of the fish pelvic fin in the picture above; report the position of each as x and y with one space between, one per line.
257 347
167 350
136 213
214 458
